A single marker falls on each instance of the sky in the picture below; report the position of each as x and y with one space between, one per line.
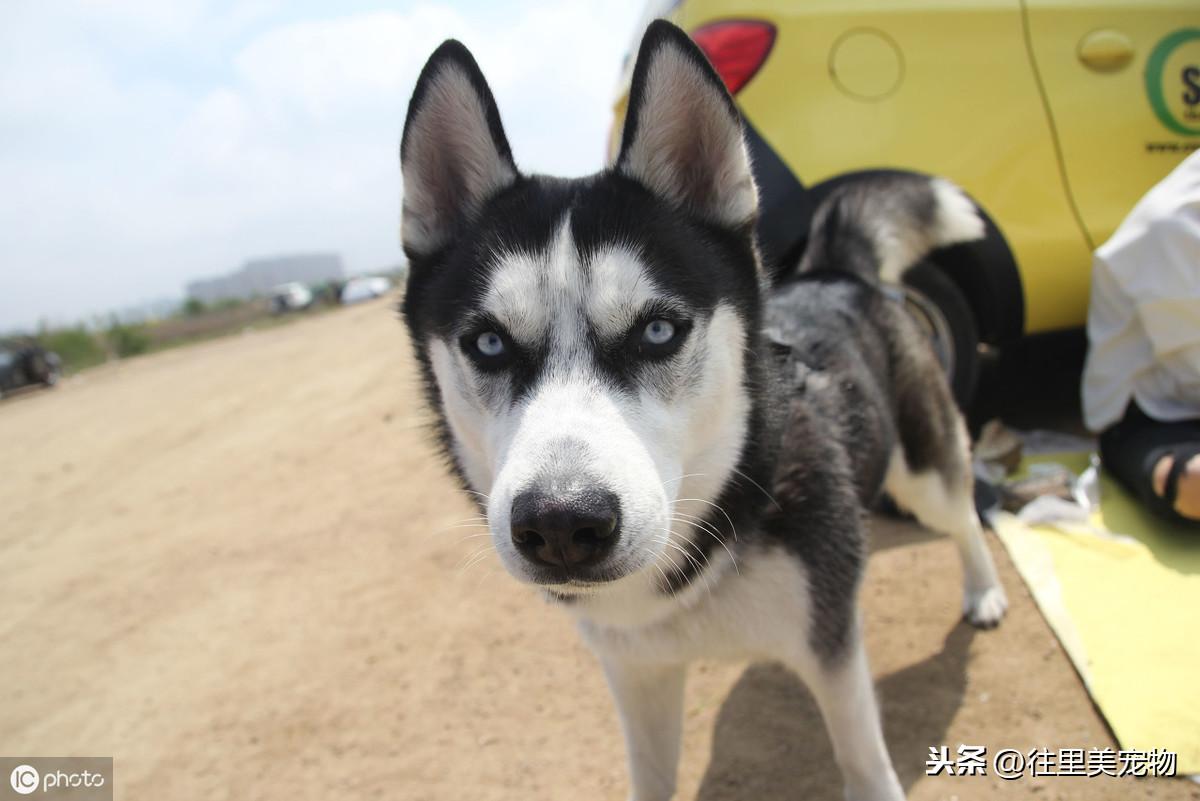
144 143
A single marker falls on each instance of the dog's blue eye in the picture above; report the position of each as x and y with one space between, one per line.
489 343
658 332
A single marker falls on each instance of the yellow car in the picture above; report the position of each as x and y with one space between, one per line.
1056 116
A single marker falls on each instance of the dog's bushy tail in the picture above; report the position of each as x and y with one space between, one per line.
879 226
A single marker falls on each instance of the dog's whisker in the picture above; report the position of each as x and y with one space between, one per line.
452 529
463 573
471 561
700 571
689 542
460 525
686 554
696 520
475 558
674 564
713 532
682 477
466 521
653 559
770 497
732 528
482 575
666 583
696 563
707 561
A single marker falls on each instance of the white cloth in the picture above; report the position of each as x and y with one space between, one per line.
1144 318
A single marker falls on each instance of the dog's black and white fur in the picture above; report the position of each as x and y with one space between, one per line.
677 454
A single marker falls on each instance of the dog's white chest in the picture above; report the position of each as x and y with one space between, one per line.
740 615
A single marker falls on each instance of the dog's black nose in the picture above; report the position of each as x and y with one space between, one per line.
571 529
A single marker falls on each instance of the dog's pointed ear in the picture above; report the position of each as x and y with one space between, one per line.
453 154
683 136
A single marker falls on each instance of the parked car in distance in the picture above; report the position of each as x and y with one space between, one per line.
290 297
1055 117
363 288
23 363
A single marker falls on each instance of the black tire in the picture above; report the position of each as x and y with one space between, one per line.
52 375
942 312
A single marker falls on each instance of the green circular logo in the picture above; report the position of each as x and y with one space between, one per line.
1167 63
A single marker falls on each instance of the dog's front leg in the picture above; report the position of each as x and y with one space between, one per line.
650 702
845 694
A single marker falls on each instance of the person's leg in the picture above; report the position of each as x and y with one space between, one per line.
1156 461
1180 471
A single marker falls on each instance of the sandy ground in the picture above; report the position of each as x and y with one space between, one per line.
236 568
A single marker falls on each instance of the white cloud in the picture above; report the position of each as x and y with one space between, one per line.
141 147
331 67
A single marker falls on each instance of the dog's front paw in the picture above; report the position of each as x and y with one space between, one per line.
634 796
654 791
985 608
884 786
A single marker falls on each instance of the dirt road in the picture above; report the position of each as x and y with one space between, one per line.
238 569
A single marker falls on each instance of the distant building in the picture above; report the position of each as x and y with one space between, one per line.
258 276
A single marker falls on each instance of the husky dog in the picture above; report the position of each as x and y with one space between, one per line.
674 452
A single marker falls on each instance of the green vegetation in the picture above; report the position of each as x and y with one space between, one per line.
230 303
127 340
193 307
81 347
77 347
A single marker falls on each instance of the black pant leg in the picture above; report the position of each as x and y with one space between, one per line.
1130 448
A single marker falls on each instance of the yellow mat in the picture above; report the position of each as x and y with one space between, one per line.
1127 611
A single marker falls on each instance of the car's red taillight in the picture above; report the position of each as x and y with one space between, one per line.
736 47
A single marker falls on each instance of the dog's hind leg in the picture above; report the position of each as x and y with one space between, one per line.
650 702
941 496
845 693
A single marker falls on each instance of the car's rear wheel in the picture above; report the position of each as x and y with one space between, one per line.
52 375
942 312
44 368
